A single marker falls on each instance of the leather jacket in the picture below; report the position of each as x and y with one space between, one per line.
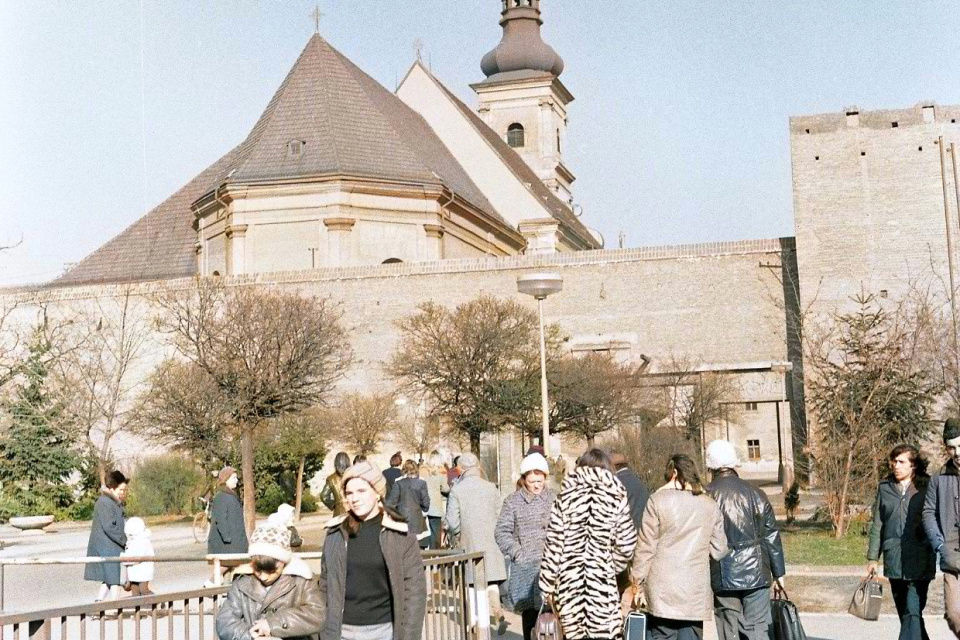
293 606
756 551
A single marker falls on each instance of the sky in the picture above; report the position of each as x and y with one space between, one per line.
678 133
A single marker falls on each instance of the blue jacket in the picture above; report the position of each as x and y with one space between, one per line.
941 516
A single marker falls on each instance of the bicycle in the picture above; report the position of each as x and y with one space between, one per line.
201 521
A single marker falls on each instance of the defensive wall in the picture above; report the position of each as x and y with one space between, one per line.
716 304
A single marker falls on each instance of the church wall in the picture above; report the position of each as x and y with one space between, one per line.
710 303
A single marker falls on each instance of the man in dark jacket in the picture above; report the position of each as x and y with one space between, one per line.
741 580
393 473
637 491
411 497
941 521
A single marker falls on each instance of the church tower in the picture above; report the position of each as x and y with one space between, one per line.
522 98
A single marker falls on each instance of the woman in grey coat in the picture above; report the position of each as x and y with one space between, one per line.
107 538
227 531
472 511
520 532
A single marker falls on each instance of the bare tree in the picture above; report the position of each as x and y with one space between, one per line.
469 362
268 353
98 377
593 393
183 409
418 434
360 422
694 397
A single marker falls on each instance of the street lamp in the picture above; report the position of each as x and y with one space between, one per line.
541 285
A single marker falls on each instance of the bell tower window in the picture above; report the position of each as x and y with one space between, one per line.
515 135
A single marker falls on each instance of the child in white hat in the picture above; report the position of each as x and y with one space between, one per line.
139 574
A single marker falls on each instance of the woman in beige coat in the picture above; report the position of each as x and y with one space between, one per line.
682 529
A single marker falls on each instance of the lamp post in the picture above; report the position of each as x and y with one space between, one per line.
541 285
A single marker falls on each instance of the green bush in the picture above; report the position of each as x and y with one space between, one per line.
308 504
82 509
164 485
271 497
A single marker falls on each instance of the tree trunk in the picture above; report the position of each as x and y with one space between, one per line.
249 495
844 488
299 498
475 442
590 440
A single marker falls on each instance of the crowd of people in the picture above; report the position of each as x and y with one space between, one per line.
601 545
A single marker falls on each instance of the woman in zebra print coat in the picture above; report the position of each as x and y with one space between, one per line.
590 539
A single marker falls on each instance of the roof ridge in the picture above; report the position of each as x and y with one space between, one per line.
562 214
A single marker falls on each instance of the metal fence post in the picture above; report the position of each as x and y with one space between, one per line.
480 589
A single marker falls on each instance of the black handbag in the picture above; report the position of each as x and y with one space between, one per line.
786 620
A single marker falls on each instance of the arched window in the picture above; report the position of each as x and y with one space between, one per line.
515 135
392 261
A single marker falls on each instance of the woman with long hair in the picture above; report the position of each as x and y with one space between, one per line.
682 529
371 575
435 475
590 539
520 533
909 562
410 496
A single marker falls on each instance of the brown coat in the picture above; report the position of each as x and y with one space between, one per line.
679 535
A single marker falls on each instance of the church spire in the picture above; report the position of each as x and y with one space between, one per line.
521 48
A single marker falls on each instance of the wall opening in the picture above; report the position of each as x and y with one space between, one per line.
392 261
515 135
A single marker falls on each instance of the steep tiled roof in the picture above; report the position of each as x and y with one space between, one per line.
351 126
158 246
524 173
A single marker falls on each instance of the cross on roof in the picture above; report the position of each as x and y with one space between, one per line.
418 48
316 14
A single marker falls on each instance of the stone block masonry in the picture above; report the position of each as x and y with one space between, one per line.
710 303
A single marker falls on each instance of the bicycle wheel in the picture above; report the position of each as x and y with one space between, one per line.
201 526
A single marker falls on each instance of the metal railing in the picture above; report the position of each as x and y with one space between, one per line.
456 607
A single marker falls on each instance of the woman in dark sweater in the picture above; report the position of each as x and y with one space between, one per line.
371 574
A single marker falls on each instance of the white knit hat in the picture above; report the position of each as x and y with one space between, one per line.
534 462
721 455
283 516
271 541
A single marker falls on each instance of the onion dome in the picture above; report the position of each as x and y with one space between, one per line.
521 48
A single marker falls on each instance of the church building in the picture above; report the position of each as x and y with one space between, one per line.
340 172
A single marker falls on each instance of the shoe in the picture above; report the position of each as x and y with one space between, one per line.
501 626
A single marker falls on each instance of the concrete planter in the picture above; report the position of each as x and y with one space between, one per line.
31 523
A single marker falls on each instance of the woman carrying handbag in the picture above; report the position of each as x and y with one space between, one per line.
897 534
590 539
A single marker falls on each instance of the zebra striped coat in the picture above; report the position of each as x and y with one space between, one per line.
590 539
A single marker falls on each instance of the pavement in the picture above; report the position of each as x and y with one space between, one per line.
48 586
31 588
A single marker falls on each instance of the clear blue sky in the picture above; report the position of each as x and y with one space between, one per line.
678 133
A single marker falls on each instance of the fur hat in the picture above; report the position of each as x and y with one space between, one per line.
369 472
272 541
721 455
534 462
225 474
951 429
